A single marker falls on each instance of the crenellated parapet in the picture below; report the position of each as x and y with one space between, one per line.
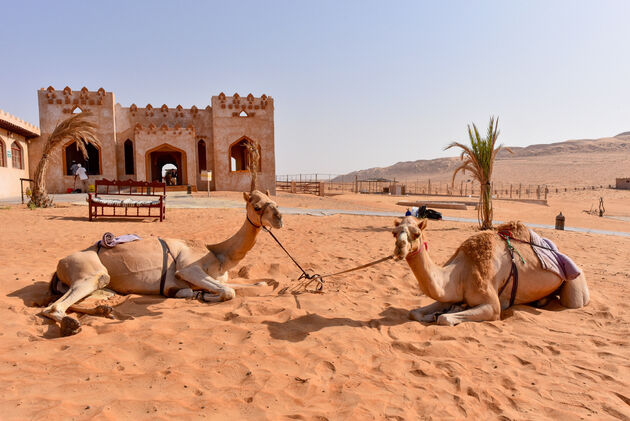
246 104
70 99
164 111
13 123
176 129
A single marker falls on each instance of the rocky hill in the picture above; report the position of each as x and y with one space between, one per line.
573 162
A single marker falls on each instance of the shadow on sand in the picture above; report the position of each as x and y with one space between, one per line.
296 330
128 307
103 218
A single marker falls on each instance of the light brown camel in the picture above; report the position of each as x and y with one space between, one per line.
466 288
137 267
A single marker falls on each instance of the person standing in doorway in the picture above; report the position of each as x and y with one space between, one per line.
82 174
73 170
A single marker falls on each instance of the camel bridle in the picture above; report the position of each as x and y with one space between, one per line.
419 240
260 214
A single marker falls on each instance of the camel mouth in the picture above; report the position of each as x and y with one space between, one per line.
398 255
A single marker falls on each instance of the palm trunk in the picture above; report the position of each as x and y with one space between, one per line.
485 207
39 196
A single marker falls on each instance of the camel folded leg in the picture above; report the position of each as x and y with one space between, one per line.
429 312
195 276
189 293
480 313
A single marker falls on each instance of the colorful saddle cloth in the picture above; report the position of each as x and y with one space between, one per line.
551 259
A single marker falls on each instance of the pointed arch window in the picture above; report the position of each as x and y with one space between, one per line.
16 156
129 161
3 154
239 156
201 155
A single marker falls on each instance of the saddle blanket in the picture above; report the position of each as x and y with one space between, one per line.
553 260
110 241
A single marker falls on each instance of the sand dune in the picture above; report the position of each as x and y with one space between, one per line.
349 353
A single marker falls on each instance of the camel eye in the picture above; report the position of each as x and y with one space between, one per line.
256 208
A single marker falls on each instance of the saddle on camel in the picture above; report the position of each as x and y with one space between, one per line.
487 274
169 267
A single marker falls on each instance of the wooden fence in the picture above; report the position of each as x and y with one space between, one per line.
321 184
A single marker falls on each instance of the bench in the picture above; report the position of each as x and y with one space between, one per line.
152 195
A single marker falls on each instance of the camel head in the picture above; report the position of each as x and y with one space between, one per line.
261 210
408 235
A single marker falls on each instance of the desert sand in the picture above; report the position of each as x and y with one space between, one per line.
348 353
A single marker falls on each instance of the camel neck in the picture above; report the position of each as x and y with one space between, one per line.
431 277
234 249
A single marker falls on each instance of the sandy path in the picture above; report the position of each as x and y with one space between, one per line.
350 353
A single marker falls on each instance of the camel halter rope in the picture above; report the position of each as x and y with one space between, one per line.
307 278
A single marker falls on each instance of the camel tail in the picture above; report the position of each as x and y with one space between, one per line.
54 285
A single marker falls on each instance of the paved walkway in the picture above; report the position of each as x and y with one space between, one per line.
181 200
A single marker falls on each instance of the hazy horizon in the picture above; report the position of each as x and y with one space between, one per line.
356 84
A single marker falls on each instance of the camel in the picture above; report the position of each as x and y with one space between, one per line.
466 288
169 267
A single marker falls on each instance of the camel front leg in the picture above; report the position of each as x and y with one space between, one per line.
78 290
195 276
428 313
480 313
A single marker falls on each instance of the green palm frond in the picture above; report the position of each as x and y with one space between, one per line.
77 128
478 159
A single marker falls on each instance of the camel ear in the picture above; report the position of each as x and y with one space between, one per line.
396 222
246 196
423 224
267 192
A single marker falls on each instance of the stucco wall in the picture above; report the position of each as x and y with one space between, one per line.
181 138
229 127
9 176
219 126
55 106
127 118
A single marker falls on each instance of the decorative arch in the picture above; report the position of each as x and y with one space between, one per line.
130 168
3 154
165 148
17 157
238 156
201 155
77 110
70 153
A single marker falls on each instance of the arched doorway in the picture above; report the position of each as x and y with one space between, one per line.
158 159
72 155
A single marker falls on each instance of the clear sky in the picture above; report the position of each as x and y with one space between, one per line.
356 84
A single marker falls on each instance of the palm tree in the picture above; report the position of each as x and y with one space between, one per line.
478 158
76 128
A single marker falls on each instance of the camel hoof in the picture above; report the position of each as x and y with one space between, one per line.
105 311
444 320
70 326
419 317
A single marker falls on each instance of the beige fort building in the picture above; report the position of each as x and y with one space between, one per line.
139 143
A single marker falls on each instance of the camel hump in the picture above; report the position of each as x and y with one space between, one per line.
516 228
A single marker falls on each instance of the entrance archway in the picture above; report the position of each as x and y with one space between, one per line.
162 155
